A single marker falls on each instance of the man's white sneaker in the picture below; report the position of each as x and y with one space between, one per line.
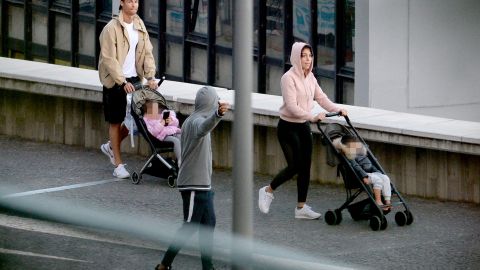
121 172
264 200
107 150
306 213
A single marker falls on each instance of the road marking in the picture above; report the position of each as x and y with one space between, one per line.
24 253
46 190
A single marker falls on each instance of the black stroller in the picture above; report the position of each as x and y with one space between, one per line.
365 209
156 165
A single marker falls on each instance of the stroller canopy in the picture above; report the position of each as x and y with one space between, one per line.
140 97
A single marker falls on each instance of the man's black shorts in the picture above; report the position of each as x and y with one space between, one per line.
115 102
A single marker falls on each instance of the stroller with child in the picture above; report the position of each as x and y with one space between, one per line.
156 165
365 209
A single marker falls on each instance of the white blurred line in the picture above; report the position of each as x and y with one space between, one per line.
46 190
24 253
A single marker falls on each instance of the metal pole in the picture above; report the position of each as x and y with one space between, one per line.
242 130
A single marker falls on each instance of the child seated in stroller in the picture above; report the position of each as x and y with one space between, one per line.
163 126
356 153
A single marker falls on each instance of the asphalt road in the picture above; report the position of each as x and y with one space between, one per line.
444 235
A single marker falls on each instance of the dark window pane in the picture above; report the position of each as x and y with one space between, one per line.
39 2
201 26
225 19
349 33
63 2
326 34
15 22
302 20
175 17
150 11
87 6
39 28
275 28
107 6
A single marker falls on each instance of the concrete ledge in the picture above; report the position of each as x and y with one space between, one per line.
375 124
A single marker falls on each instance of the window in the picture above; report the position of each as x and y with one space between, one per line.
275 28
302 20
225 23
150 11
326 35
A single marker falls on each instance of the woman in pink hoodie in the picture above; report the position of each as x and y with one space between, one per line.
299 90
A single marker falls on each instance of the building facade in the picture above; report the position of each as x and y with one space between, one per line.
401 55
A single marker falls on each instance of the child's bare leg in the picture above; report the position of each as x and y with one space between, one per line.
378 196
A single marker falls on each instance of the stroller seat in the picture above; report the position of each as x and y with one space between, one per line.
156 165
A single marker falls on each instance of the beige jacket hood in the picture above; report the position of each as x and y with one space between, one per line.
114 44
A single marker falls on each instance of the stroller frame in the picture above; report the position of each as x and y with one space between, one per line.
354 186
157 147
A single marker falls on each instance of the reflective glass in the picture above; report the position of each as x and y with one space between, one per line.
275 33
225 19
302 20
150 11
201 26
326 34
349 33
175 17
87 6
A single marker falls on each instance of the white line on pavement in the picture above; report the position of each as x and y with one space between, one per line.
24 253
46 190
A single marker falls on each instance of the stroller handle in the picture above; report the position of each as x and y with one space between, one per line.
331 114
161 80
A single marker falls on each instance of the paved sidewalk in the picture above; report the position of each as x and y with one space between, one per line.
444 235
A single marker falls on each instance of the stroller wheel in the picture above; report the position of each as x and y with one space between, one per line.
339 216
331 217
384 224
375 223
409 217
401 218
136 178
171 180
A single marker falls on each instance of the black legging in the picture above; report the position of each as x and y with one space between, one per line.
296 142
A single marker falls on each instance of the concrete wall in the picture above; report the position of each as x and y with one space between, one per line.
421 57
414 170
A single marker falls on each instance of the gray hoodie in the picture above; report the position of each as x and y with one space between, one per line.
196 168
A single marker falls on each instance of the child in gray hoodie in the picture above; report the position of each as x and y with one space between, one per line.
195 177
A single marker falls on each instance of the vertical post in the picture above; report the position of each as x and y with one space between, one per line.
74 36
162 39
262 47
27 39
242 130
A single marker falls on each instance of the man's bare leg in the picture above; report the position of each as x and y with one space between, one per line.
117 133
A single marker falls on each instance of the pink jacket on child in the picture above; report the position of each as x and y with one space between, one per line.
158 130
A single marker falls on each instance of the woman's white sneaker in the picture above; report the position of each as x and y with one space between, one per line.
264 200
121 172
306 213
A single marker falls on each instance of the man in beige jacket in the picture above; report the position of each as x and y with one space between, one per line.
126 58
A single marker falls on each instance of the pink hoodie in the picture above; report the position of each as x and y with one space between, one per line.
298 91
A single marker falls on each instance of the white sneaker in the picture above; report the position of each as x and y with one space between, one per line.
121 172
107 150
264 200
306 213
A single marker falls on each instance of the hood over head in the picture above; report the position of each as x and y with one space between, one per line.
206 101
296 57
